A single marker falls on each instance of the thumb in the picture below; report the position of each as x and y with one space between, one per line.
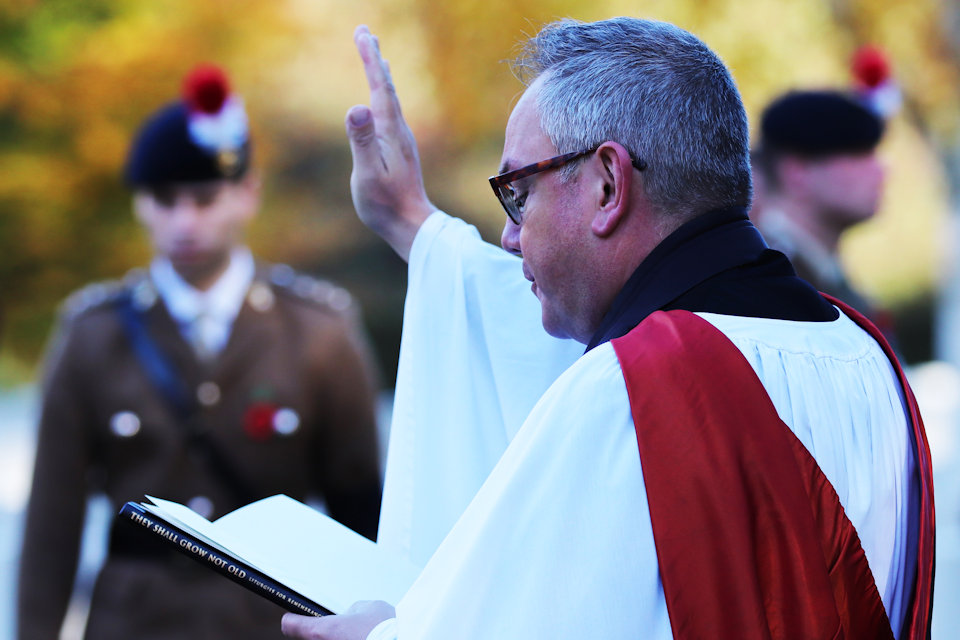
296 626
362 135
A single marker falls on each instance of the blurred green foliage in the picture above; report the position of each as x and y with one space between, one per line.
76 78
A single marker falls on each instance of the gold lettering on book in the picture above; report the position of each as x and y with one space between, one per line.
216 560
139 519
193 548
231 568
165 533
301 606
265 587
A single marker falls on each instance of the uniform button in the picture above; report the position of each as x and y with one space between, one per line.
339 299
260 297
144 296
283 275
286 421
208 393
201 505
125 424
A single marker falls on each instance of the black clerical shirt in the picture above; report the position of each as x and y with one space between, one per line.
716 263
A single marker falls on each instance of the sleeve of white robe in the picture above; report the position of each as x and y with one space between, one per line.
474 359
386 630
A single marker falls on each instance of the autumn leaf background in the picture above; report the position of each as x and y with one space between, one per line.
76 78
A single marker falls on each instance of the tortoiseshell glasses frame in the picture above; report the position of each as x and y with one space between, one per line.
507 195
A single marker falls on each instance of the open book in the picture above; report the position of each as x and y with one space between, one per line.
282 549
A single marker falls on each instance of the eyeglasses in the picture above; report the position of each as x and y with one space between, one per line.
509 197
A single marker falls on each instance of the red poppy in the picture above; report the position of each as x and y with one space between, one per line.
258 420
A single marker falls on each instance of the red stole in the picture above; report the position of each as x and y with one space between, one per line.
751 539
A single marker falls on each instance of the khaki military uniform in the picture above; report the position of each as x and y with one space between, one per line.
837 286
289 402
822 270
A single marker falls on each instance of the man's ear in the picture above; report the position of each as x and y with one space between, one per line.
614 180
792 175
141 203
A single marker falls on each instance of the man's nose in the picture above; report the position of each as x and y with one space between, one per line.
185 213
510 237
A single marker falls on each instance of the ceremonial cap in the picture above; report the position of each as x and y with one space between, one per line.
203 136
820 123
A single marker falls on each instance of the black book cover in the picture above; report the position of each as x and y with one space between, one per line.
234 569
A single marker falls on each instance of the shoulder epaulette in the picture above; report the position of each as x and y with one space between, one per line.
99 294
310 289
92 296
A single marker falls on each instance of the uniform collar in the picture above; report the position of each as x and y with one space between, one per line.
222 301
787 236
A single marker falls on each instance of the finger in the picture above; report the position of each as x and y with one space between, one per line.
293 625
370 56
383 95
361 131
359 605
389 86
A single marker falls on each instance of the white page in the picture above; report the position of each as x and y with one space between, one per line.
185 519
306 550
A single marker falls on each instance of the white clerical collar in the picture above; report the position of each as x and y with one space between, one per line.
221 302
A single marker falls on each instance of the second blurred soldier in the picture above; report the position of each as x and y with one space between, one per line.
820 173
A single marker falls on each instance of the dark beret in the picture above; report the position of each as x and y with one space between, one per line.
163 152
818 123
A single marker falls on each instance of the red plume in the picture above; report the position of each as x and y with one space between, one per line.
870 67
205 89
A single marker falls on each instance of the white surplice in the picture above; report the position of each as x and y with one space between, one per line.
474 359
557 542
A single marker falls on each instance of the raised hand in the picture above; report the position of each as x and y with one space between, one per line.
387 181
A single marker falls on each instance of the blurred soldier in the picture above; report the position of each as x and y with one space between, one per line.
209 379
818 166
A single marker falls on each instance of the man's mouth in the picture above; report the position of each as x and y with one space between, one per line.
529 276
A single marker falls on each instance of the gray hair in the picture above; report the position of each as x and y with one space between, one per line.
657 90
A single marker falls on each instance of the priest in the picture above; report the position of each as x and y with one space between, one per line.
733 456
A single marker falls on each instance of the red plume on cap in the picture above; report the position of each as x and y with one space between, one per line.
216 119
873 81
205 89
870 67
